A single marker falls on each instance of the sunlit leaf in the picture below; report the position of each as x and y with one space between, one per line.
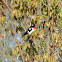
25 47
13 52
27 13
28 45
17 50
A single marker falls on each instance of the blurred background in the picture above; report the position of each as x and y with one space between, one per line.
44 44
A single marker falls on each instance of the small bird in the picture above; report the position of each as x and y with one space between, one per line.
30 30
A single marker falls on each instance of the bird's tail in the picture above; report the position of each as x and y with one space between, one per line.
24 34
31 44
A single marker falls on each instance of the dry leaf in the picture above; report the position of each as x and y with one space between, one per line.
16 40
27 21
1 35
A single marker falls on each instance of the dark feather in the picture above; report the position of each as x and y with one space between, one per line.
15 17
24 34
31 45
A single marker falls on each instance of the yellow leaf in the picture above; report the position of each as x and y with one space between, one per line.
36 48
13 52
34 18
29 10
36 4
45 13
28 45
2 19
19 14
39 57
44 56
61 47
39 46
27 13
25 37
18 1
47 55
59 44
17 49
21 3
40 17
50 14
61 25
41 36
27 55
20 7
21 45
16 5
51 29
12 14
25 47
54 35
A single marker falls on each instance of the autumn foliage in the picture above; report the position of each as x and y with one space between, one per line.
44 44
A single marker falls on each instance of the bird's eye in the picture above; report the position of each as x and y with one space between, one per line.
32 24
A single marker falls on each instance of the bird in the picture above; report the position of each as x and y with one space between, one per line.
30 30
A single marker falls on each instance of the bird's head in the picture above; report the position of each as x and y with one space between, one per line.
33 26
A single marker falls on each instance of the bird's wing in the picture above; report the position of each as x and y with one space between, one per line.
30 30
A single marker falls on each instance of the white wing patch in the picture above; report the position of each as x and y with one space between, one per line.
31 31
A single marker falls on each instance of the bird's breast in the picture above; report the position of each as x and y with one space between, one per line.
34 27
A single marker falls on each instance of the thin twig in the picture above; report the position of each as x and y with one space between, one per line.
4 48
60 57
17 57
7 6
44 3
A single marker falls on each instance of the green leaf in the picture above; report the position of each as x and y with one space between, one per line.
49 59
25 47
55 1
39 1
28 45
43 43
60 14
29 0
